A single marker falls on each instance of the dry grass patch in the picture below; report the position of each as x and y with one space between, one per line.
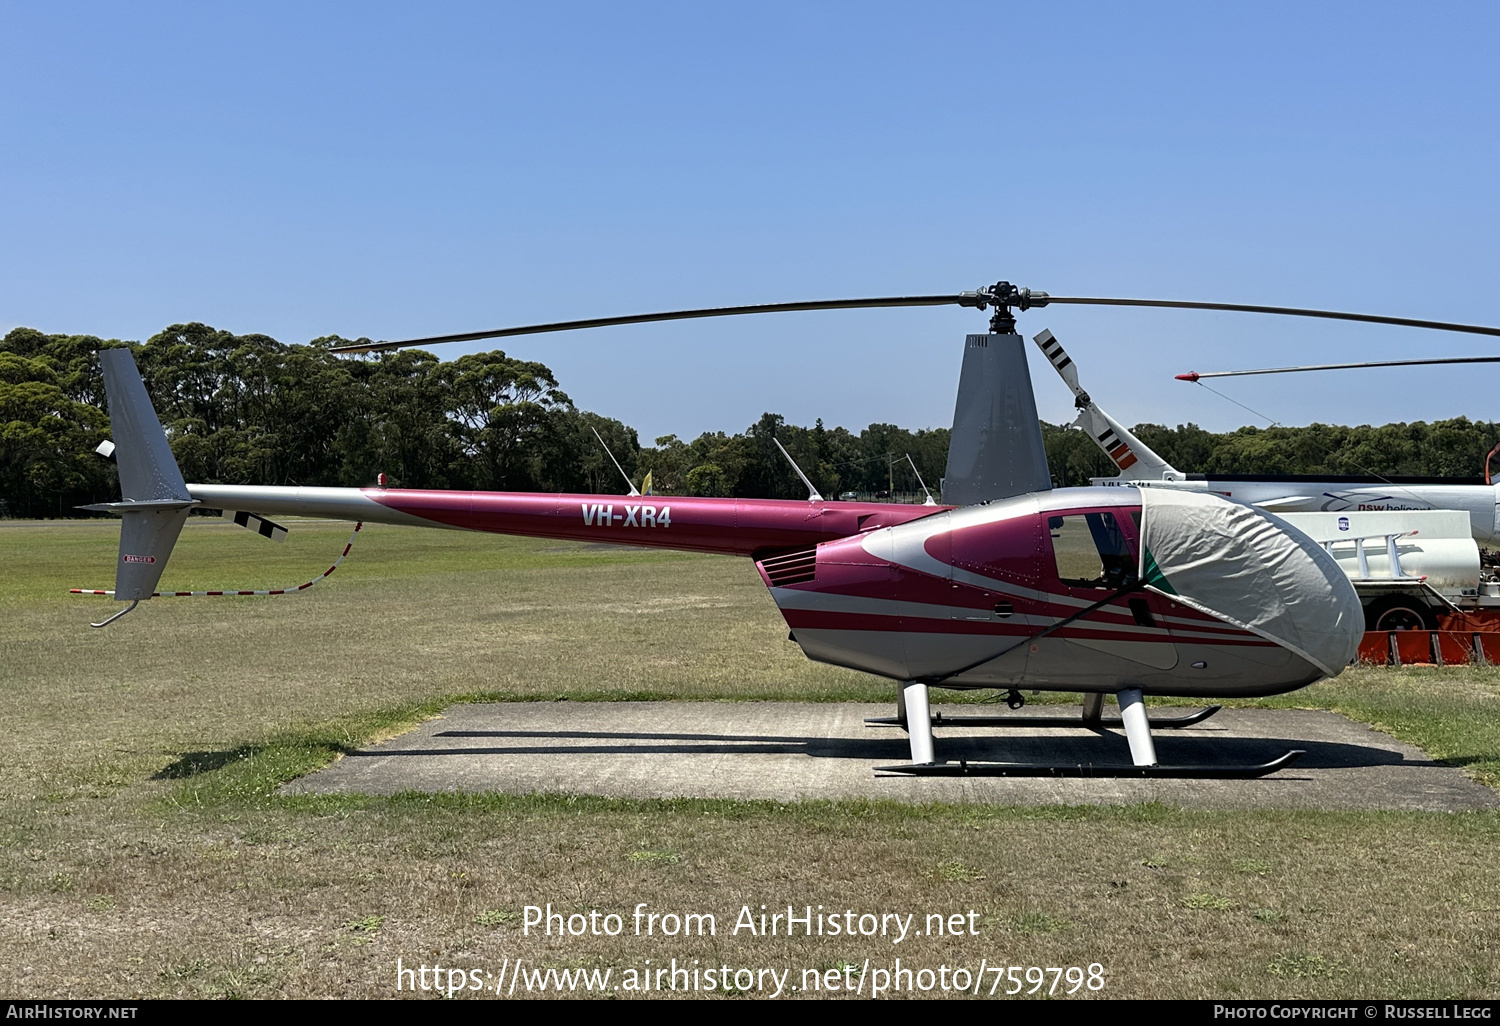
144 850
357 883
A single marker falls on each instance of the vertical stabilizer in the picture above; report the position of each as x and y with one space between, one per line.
996 447
147 468
155 499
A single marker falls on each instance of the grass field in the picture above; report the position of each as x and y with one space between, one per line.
144 851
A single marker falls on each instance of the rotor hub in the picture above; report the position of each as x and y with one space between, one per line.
1005 298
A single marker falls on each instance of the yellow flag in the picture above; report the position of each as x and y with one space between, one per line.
646 484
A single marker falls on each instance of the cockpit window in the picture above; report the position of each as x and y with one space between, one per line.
1090 551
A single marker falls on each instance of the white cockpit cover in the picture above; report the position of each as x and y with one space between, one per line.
1252 569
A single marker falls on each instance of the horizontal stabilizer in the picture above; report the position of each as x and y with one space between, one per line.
257 523
121 508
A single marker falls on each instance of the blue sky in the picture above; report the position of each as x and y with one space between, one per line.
398 170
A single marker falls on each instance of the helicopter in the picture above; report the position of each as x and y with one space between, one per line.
1010 584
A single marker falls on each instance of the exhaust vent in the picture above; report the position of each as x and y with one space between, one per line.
797 567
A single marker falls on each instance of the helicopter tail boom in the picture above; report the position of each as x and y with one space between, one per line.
736 527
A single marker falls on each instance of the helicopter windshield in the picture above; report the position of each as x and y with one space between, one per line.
1247 567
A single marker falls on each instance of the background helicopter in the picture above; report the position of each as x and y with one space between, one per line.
1454 590
1288 493
1107 591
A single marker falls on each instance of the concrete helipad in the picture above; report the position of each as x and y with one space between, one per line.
787 751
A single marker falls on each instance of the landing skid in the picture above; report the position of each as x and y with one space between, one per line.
939 720
914 713
963 768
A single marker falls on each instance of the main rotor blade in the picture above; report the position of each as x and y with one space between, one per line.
1001 295
1195 375
1175 304
670 315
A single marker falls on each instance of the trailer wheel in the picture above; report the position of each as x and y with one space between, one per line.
1398 613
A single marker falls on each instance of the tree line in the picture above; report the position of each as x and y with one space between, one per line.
247 409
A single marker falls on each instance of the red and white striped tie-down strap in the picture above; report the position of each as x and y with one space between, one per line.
225 591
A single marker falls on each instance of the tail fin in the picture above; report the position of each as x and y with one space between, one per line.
995 448
1129 453
154 498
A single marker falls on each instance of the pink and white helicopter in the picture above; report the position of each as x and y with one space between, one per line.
1013 584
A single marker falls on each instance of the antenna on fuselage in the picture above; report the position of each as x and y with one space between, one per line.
812 493
930 500
628 482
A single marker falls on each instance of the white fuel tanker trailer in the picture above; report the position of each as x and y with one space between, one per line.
1413 569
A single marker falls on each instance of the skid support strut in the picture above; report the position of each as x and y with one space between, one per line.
1137 727
1093 710
913 702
